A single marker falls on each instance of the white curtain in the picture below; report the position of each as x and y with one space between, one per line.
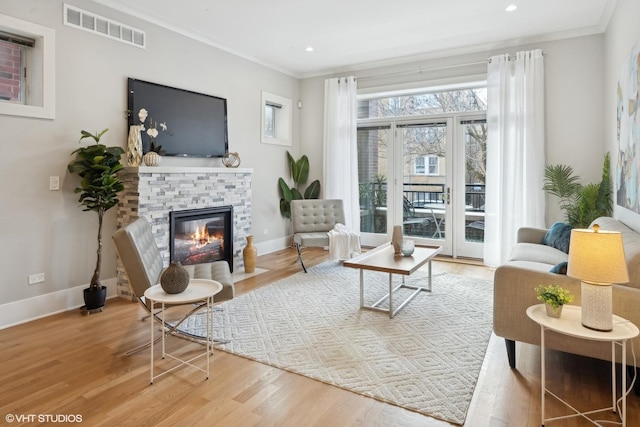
515 151
340 174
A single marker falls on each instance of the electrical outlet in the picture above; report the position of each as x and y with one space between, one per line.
265 231
54 183
36 278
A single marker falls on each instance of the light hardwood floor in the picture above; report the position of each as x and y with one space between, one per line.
70 364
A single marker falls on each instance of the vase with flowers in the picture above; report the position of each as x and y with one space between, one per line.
554 298
152 157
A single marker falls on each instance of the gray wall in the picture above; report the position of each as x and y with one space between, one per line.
46 231
622 34
573 92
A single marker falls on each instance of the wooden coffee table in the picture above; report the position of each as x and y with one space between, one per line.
385 260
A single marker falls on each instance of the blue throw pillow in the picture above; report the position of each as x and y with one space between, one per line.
560 268
558 236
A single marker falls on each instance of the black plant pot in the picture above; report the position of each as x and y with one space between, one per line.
94 299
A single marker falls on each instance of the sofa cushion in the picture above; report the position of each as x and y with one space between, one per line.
538 253
560 268
558 236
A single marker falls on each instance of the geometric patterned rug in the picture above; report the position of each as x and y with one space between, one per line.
426 359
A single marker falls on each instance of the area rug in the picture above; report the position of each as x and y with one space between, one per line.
426 359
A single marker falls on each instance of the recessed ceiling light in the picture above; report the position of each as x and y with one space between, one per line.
309 48
511 8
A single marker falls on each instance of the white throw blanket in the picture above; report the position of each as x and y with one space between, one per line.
343 242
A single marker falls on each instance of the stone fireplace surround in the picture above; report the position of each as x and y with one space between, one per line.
153 192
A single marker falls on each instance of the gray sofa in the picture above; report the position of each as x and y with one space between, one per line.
529 266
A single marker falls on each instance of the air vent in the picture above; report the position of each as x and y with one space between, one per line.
96 24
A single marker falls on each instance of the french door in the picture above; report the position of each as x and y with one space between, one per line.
426 175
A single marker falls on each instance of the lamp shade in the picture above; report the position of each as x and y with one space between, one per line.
597 257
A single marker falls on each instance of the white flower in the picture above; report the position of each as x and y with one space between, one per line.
142 115
153 132
163 126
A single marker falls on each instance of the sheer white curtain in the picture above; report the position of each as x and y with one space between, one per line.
515 151
340 174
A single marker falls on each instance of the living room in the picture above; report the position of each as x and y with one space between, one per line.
45 231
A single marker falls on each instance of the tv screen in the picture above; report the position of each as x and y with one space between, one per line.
188 124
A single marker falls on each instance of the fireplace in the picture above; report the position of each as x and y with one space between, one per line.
201 235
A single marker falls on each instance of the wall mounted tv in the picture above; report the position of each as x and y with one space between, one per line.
196 123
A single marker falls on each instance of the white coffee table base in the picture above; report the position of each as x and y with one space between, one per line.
570 324
383 259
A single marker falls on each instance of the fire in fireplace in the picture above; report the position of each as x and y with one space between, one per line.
201 235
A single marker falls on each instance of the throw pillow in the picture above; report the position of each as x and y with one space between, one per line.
560 268
558 236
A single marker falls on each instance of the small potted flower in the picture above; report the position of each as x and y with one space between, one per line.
554 297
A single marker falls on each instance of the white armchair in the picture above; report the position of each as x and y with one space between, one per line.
312 219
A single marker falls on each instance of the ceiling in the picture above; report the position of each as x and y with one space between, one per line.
351 34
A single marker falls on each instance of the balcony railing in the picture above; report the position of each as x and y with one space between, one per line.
422 200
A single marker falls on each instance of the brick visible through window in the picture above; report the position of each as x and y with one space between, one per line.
11 71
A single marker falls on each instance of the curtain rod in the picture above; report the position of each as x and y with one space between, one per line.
421 70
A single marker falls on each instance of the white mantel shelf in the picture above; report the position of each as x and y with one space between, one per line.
184 169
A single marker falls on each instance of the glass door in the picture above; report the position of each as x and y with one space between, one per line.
425 176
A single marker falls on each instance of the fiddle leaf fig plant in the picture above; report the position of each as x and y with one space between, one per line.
299 170
98 167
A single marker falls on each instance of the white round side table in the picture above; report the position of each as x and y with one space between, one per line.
199 290
570 324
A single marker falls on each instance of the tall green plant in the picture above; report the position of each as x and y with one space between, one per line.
299 170
582 203
98 167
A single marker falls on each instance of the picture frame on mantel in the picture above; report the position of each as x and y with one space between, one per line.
276 119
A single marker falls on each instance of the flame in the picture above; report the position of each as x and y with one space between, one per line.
201 237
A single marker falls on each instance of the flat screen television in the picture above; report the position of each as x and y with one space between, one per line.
196 123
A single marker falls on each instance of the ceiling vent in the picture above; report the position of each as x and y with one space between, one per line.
96 24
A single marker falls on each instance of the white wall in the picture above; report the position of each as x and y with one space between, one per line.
46 231
573 91
622 34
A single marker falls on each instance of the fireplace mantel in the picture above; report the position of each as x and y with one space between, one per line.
153 192
185 169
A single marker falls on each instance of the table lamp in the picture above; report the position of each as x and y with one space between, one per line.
597 258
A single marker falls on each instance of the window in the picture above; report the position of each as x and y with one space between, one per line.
276 119
270 111
424 103
427 165
27 86
13 50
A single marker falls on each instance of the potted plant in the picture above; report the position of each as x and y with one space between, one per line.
98 167
299 173
581 203
554 297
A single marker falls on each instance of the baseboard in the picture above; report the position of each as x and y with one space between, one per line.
26 310
273 245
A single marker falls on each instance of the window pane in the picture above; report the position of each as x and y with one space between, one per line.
450 101
475 147
372 166
11 65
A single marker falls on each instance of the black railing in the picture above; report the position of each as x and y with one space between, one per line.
373 196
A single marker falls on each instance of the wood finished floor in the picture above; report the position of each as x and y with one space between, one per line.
73 364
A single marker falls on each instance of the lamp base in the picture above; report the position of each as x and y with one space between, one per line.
597 310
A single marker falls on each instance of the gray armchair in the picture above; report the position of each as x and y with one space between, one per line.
312 219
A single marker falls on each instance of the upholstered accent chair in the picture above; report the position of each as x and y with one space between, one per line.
142 262
312 219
